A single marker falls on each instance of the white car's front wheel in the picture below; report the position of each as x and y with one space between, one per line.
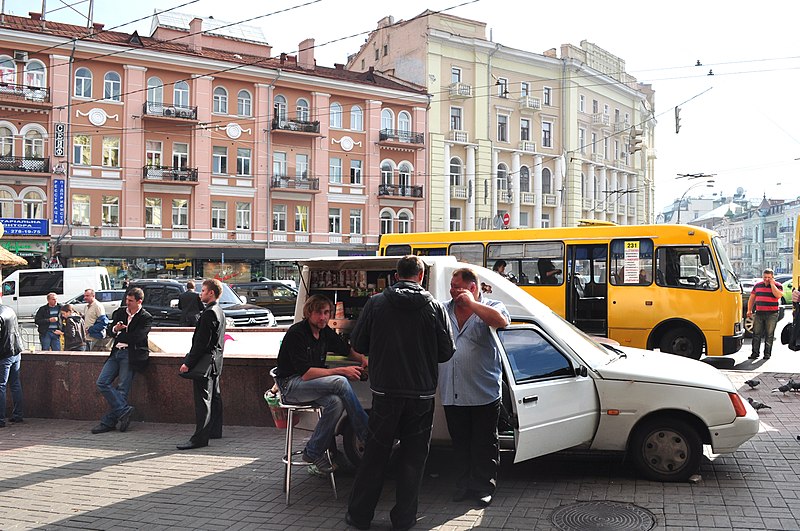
666 449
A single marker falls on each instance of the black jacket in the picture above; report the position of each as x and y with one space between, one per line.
10 339
406 333
190 306
209 337
135 335
42 317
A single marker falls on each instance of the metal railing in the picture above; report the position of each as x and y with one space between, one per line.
294 184
31 164
399 190
153 108
24 92
461 90
396 135
301 126
168 173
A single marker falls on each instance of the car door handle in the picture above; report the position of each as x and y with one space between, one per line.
529 399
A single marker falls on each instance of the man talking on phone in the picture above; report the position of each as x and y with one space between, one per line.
130 325
763 306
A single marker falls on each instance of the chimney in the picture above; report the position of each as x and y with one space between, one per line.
34 15
196 35
306 55
98 27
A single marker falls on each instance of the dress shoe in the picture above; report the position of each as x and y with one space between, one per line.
485 500
189 445
125 419
766 357
216 437
17 420
102 428
349 521
753 357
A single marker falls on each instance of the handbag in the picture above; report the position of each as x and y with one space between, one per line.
196 373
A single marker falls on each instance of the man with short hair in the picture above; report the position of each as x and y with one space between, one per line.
190 305
47 321
94 309
130 325
763 306
10 353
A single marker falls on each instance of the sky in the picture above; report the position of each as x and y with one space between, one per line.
741 124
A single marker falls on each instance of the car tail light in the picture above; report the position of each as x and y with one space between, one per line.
738 405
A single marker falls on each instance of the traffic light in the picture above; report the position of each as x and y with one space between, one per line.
677 120
635 140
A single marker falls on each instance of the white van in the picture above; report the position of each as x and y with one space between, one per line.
25 290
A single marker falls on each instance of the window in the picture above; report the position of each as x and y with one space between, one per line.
524 129
33 205
6 142
404 178
387 119
155 91
535 262
33 145
83 83
6 204
386 222
531 357
387 173
385 50
34 74
180 94
303 112
355 221
502 181
8 72
605 148
524 179
616 149
153 153
582 140
581 103
111 151
404 126
111 86
243 161
355 172
301 218
110 211
377 54
455 172
455 75
547 134
243 216
502 87
335 174
356 118
502 128
180 213
219 215
220 100
594 142
595 107
455 218
605 108
180 156
152 212
335 220
219 160
631 262
279 218
279 164
336 116
301 166
279 108
524 219
685 267
455 118
547 184
545 221
403 223
244 104
524 89
81 208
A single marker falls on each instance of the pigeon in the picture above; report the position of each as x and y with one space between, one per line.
752 383
758 405
783 389
794 385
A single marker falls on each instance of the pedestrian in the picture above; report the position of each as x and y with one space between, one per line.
548 272
73 329
190 305
93 311
47 319
10 355
208 342
763 305
500 268
130 326
470 387
303 378
406 334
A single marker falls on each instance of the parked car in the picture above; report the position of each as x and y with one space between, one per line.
279 298
161 300
111 299
785 281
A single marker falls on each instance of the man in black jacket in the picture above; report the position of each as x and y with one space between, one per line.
190 305
130 325
10 349
208 342
47 321
406 334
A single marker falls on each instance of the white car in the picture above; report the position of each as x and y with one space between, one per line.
111 299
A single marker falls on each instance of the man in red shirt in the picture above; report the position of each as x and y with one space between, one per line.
763 306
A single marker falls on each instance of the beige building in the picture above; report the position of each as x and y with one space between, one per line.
544 138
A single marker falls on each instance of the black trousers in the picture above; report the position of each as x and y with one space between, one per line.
207 410
476 448
410 421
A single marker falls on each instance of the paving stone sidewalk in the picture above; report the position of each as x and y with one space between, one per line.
54 474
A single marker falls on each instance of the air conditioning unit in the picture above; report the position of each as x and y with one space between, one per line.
185 113
169 111
20 56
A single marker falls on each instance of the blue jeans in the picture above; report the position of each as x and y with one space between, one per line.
334 394
50 341
764 324
116 366
9 374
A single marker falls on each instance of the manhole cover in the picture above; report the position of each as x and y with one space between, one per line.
583 516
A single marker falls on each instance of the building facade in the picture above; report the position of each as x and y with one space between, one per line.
194 152
545 139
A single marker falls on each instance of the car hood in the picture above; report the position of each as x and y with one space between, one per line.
243 308
660 368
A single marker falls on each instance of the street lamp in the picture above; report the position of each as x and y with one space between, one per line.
708 183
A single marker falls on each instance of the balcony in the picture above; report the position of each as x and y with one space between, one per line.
397 190
621 126
588 204
305 185
787 228
527 198
458 136
402 137
786 250
529 103
295 126
12 91
598 157
549 200
170 174
527 146
622 210
460 90
458 192
601 119
25 164
161 110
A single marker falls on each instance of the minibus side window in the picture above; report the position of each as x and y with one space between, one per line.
470 253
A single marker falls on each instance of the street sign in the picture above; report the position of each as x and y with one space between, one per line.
506 219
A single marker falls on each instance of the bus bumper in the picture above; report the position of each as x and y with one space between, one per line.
732 344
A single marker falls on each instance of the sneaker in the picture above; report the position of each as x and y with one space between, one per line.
125 419
102 428
320 463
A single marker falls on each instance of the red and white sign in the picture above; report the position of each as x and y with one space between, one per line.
506 219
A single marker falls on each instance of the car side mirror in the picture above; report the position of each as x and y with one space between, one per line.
705 256
581 371
8 288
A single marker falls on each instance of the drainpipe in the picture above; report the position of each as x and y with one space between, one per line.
565 162
493 170
269 170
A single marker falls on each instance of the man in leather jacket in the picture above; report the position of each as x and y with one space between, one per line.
10 353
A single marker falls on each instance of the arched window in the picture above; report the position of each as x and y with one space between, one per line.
524 179
155 91
356 118
8 70
455 172
387 173
336 115
279 108
83 83
34 145
244 103
220 100
386 222
404 126
547 184
303 113
404 178
33 205
112 85
502 181
6 142
180 94
6 204
403 223
387 119
584 184
34 74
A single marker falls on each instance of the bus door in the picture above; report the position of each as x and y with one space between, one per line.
587 287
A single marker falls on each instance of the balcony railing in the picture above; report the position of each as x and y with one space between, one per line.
460 90
285 183
458 192
530 103
786 228
395 135
549 200
26 164
168 173
601 119
786 250
621 126
598 157
588 204
300 126
152 108
458 136
527 198
396 190
527 146
24 92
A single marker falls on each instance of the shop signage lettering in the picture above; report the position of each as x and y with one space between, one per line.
59 201
60 136
25 227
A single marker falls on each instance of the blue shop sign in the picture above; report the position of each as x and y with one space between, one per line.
25 227
59 201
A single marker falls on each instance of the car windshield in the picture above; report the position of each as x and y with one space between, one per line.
589 350
228 298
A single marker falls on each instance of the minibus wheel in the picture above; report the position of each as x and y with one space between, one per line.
682 342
